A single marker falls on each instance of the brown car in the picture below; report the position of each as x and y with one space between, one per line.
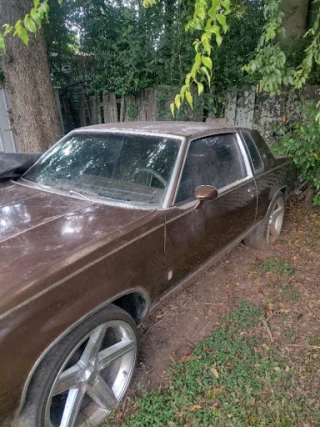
103 226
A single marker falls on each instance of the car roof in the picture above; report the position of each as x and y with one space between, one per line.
176 128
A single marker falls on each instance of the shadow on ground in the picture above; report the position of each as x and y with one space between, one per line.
285 280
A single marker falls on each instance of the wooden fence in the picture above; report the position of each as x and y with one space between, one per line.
266 113
243 108
78 109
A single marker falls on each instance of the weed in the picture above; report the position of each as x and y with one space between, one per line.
232 378
278 266
312 243
271 284
288 293
282 240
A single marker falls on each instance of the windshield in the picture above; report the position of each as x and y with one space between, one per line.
130 168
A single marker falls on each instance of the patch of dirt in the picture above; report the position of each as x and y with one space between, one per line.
284 279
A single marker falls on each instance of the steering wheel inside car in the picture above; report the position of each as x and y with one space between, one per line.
150 172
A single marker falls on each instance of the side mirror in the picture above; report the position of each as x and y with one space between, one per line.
204 193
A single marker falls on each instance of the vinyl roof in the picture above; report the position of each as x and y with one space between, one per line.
169 127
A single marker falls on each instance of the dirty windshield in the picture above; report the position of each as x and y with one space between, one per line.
130 168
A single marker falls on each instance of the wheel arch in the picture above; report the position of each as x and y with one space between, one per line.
282 190
135 302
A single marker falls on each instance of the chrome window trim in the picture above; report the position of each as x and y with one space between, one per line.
175 176
262 168
228 187
96 199
125 132
244 155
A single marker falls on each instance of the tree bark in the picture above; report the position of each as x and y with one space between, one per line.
295 18
34 112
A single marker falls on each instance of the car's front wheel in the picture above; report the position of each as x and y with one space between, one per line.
84 377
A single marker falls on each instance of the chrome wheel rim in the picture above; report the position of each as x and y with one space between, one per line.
94 377
275 220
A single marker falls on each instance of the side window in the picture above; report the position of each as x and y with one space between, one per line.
214 160
254 153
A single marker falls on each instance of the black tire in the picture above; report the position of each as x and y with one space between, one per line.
261 237
65 353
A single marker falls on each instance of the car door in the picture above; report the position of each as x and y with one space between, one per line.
194 235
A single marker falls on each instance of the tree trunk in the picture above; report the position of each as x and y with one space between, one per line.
295 18
34 113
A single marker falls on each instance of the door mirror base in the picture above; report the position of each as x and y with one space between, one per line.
204 193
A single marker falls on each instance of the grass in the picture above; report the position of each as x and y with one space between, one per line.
278 266
287 293
235 377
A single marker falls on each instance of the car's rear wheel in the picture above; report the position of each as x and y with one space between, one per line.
270 228
275 220
86 374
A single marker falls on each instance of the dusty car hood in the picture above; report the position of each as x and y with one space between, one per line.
37 229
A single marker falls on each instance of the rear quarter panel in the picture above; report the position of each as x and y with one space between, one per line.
279 173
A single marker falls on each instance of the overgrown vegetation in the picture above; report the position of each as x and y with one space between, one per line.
233 378
301 141
127 47
200 47
278 266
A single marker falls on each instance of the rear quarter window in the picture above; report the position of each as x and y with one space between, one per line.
253 151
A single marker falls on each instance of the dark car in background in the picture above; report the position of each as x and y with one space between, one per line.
97 232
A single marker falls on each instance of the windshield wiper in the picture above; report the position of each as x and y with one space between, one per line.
83 196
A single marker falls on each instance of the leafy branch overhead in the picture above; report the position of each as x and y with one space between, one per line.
206 24
210 20
269 66
30 24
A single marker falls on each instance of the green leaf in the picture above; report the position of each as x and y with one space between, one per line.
317 56
7 29
177 101
36 3
43 10
206 72
198 61
24 36
207 62
196 44
200 88
213 11
226 5
206 43
188 78
172 108
189 98
216 30
182 92
2 43
36 16
223 22
21 32
29 24
218 39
